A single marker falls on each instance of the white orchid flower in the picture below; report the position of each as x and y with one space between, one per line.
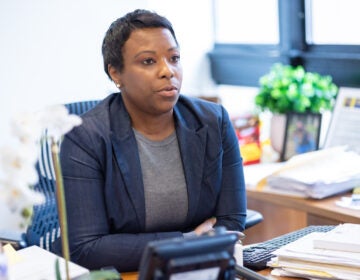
58 121
18 197
17 153
9 218
26 127
17 161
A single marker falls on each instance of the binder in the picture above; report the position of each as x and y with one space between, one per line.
344 237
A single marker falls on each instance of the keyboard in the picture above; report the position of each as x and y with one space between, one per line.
256 257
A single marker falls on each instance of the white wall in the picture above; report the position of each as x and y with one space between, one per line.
51 50
193 24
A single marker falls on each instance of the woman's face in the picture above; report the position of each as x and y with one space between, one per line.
152 74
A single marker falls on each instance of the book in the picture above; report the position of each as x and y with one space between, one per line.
344 237
300 259
34 263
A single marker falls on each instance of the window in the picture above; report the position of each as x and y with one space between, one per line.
309 34
241 21
333 22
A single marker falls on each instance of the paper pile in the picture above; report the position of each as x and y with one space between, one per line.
318 174
302 259
34 263
345 237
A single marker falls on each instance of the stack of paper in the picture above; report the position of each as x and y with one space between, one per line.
302 259
345 237
34 263
318 174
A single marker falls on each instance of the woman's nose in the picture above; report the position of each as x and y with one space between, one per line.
166 69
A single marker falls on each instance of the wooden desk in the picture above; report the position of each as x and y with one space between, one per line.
283 214
129 276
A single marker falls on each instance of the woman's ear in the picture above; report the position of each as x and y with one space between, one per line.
115 75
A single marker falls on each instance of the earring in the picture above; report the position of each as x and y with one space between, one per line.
118 85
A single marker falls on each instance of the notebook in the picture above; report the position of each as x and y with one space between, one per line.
344 128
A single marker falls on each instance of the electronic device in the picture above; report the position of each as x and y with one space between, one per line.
256 257
202 257
207 257
247 274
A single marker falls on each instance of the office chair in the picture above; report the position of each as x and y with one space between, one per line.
253 218
45 227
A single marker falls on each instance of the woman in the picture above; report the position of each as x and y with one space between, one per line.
147 163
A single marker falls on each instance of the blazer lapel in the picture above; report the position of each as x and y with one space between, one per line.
126 154
193 161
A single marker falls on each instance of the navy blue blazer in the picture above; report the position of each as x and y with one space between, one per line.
104 189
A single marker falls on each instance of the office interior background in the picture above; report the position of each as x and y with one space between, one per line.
51 50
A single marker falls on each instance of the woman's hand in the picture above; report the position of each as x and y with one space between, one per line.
208 226
239 234
205 226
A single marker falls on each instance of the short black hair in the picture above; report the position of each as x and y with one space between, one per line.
120 30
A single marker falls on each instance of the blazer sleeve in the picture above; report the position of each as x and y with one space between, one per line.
231 206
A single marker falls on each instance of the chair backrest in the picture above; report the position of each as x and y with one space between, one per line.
45 228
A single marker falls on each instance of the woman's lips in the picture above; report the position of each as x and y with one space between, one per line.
168 91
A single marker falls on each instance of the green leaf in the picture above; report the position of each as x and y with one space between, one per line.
292 92
57 270
101 275
276 93
286 88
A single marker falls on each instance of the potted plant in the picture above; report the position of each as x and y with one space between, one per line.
288 89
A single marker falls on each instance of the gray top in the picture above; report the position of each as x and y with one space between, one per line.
166 198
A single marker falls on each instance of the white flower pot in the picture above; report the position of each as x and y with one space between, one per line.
277 131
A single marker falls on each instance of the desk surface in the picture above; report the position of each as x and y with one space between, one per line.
284 213
323 207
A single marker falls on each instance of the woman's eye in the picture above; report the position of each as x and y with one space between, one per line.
175 58
148 61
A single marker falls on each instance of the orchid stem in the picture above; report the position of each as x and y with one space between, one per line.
60 195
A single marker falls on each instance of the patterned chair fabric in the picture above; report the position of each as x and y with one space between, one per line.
44 228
